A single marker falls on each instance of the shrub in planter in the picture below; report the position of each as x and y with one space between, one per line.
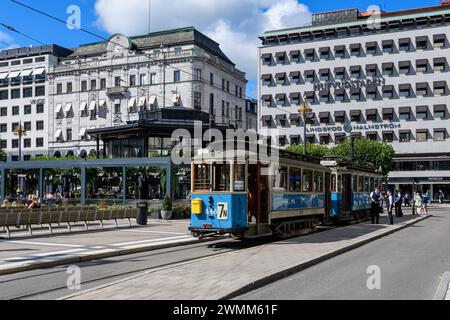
166 212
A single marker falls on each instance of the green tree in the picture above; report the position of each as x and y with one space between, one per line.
366 152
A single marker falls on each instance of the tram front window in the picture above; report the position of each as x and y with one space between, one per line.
239 177
221 174
201 177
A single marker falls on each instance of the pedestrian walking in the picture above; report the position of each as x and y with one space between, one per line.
418 202
441 197
407 200
426 202
390 206
375 198
398 204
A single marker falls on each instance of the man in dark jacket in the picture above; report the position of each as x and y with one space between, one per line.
375 198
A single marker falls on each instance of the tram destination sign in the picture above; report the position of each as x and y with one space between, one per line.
349 84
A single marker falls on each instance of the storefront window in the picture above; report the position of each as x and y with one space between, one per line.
239 177
280 179
307 181
295 180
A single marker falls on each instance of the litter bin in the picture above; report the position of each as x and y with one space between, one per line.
142 214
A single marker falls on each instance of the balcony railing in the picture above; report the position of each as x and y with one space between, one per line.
117 91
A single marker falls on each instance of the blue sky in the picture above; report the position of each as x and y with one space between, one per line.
49 31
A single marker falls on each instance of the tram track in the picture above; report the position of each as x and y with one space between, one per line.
52 283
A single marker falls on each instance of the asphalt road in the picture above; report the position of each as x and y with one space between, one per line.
52 283
411 262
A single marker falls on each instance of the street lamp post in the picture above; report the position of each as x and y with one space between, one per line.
20 132
304 110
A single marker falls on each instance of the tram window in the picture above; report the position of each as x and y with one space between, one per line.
333 183
239 177
366 184
360 184
339 186
280 179
372 184
307 181
295 180
201 177
318 182
355 183
221 173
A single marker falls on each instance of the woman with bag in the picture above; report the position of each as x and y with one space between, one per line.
418 202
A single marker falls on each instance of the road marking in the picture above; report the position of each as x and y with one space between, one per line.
147 241
42 255
157 232
46 244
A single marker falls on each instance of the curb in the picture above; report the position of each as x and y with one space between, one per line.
443 287
73 260
286 273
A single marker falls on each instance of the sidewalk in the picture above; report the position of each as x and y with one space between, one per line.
231 274
51 250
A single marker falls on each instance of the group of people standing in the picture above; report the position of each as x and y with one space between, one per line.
394 202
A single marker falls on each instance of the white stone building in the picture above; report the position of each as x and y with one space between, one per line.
376 75
24 98
106 84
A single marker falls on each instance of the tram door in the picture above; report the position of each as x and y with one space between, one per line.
258 186
346 192
328 189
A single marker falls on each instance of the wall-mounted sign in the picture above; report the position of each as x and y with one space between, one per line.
37 101
352 128
349 84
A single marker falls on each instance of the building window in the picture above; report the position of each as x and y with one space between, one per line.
14 143
310 55
404 44
223 84
27 109
27 143
39 108
405 136
422 89
83 86
324 53
197 74
14 126
176 76
439 41
39 142
422 43
339 53
69 134
405 90
102 84
132 80
439 64
355 50
4 95
439 88
59 88
388 69
405 115
281 78
439 135
228 86
15 110
324 75
93 85
372 136
440 111
422 136
117 81
310 76
39 91
27 126
39 125
388 92
339 74
356 94
422 66
355 72
198 100
142 79
69 87
27 92
388 137
3 112
281 58
15 94
388 46
325 140
117 108
3 128
3 144
371 48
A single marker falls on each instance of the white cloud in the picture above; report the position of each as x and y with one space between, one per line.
7 42
235 24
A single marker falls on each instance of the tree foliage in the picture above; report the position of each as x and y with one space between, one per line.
366 152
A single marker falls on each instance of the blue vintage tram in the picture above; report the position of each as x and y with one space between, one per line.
249 198
289 195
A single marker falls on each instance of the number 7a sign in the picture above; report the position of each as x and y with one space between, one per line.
222 211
